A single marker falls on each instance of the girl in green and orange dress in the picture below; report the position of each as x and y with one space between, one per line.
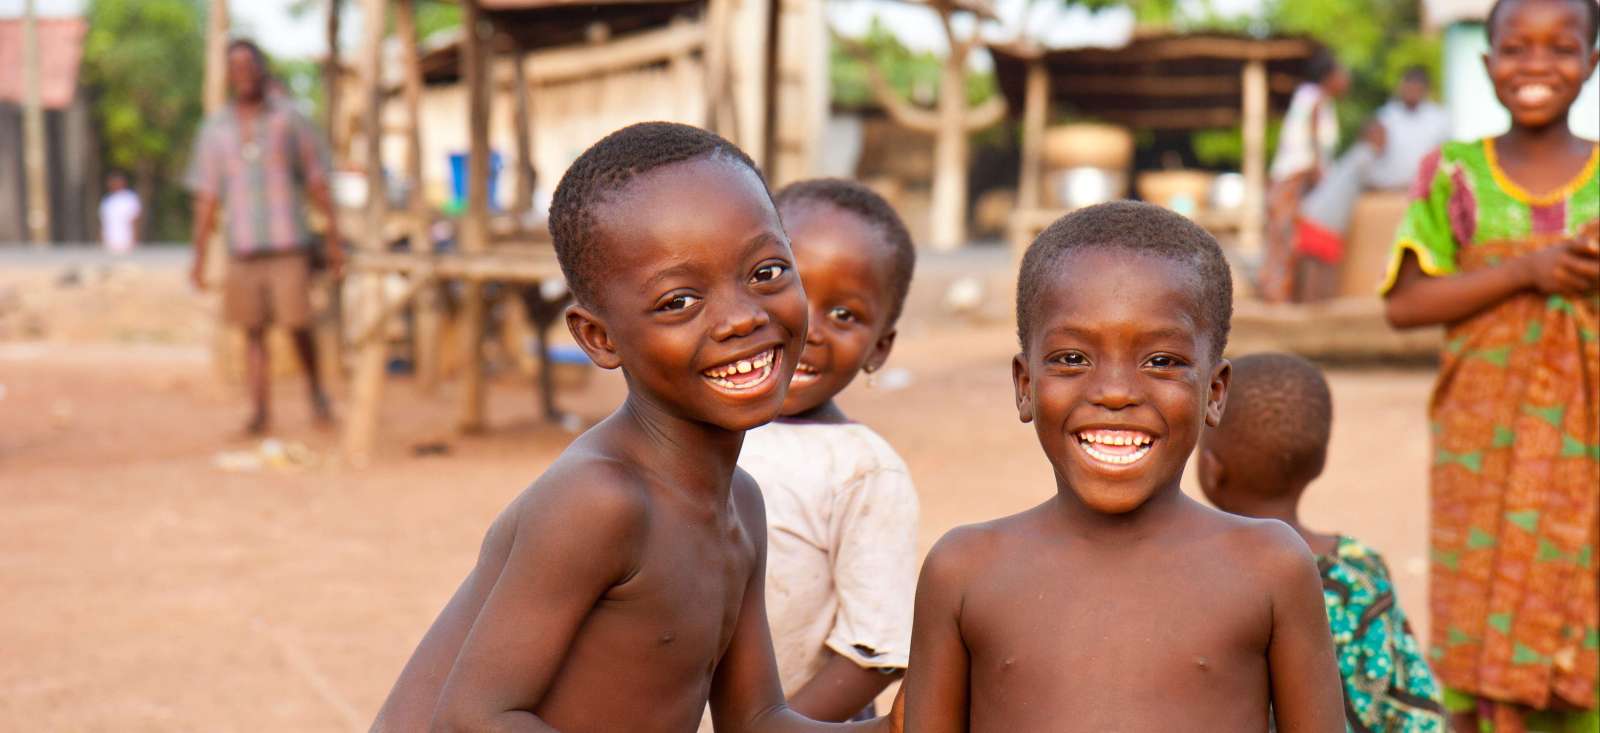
1502 245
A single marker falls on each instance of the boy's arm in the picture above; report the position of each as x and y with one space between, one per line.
874 557
746 696
840 689
936 686
1307 693
573 541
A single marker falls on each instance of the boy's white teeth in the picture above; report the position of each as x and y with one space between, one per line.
1117 447
743 366
1534 93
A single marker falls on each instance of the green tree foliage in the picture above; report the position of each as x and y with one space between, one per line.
144 61
913 75
1375 39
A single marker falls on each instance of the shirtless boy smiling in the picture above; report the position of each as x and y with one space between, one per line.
1120 604
624 587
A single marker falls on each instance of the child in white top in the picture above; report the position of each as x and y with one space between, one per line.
841 508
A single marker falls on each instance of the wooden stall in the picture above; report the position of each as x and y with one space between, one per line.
525 57
1162 82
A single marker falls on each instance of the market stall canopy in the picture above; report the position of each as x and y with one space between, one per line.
1165 82
537 24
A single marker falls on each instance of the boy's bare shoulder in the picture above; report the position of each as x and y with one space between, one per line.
1269 546
602 493
966 551
749 502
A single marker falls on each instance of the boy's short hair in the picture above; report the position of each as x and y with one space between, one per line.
1139 228
1591 13
1279 417
1321 64
605 168
1418 73
855 198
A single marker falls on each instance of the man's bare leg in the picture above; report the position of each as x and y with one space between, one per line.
305 344
255 365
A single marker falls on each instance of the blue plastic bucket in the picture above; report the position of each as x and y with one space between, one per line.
458 180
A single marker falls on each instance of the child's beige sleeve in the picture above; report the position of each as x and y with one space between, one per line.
874 556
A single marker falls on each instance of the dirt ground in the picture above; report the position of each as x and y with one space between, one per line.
153 584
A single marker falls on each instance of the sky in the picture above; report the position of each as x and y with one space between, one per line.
285 36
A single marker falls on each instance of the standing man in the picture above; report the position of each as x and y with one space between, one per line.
257 158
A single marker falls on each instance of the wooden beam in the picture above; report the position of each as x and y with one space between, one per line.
38 174
522 131
531 265
1163 86
570 63
427 314
1035 116
475 224
361 426
1254 112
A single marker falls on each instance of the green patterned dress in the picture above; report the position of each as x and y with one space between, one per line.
1515 482
1387 684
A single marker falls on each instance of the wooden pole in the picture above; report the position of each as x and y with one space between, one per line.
475 223
425 316
216 80
1253 217
227 347
367 393
330 73
1035 115
522 128
38 210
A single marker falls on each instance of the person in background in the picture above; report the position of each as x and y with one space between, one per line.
1306 145
256 160
1401 134
1405 130
1501 246
1258 462
120 215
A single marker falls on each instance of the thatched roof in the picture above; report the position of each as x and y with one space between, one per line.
1165 82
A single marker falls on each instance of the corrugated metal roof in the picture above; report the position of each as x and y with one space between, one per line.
60 51
1440 13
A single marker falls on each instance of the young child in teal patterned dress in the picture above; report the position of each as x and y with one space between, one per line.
1271 444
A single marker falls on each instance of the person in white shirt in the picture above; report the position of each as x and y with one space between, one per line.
841 508
1401 134
120 215
1306 145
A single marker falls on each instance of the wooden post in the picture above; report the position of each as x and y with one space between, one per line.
38 209
227 347
522 128
1030 189
475 224
330 72
1253 219
367 392
1035 115
425 315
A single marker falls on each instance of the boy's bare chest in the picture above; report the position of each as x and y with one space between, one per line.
1110 646
687 595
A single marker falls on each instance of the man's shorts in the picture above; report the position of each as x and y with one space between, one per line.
266 290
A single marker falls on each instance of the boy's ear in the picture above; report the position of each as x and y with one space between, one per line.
880 352
1021 380
592 337
1217 394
